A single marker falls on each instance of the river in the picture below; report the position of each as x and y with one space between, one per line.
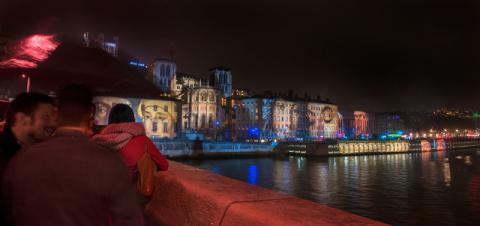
430 188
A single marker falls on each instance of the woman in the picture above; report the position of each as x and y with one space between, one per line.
127 137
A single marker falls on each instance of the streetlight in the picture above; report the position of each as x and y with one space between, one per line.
28 81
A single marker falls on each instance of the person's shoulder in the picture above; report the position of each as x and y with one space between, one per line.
141 139
100 149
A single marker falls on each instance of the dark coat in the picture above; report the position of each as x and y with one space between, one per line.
8 147
68 180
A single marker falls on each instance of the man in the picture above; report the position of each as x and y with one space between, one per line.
30 118
67 180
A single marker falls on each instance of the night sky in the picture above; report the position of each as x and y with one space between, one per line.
373 55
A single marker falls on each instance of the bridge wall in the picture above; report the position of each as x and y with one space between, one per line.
189 196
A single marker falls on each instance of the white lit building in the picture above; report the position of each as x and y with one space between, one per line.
183 82
199 111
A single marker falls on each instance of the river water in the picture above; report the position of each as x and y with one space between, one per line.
432 188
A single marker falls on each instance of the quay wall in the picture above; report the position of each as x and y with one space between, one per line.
186 195
184 148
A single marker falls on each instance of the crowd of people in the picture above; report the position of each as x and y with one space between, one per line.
56 171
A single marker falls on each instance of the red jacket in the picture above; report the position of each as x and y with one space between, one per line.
135 148
129 140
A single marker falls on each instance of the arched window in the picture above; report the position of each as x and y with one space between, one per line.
168 70
165 127
203 121
154 126
210 120
162 70
204 96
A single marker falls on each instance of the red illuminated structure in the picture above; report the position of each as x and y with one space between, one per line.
30 51
361 123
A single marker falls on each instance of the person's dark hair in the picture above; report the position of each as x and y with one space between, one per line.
75 104
26 103
121 113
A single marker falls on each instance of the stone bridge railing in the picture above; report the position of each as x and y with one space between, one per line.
189 196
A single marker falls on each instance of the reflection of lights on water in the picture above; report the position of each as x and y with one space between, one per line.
334 161
446 173
216 169
252 174
300 162
468 160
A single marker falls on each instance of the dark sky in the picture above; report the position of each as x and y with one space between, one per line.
373 55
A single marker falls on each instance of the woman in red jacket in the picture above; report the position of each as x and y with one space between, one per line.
127 137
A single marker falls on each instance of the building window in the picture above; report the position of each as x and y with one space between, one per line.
168 70
210 121
162 70
155 108
203 121
165 127
165 108
154 126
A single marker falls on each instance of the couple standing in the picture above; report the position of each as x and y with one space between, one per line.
70 180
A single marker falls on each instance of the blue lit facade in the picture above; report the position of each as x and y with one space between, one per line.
221 79
162 74
276 118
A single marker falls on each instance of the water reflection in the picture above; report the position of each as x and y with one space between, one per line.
429 188
252 174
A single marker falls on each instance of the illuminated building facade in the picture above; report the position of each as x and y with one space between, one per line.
199 111
221 79
355 124
361 123
159 116
277 118
183 82
240 92
162 74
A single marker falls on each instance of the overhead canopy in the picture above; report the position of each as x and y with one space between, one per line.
71 63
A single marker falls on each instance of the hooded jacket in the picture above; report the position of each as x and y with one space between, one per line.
130 141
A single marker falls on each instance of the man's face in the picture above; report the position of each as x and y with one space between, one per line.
44 122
